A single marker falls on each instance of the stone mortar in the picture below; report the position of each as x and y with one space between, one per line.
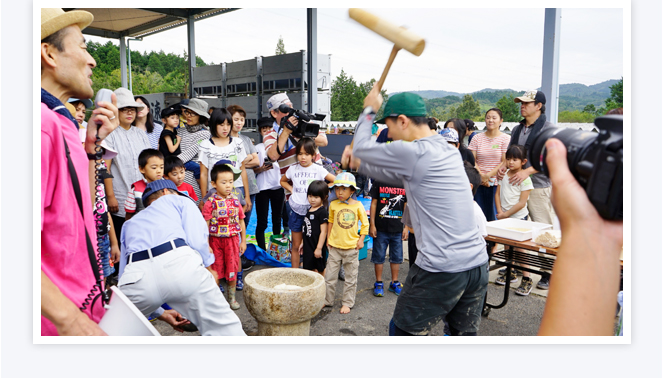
283 312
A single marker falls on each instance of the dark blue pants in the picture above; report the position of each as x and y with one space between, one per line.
485 197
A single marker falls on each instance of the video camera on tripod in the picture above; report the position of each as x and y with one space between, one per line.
304 126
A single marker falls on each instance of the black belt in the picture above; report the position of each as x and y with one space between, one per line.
156 251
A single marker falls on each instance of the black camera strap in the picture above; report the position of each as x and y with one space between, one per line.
90 248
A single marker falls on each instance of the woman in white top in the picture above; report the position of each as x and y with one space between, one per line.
145 121
268 176
221 146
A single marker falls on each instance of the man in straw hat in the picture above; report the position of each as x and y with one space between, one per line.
451 268
66 274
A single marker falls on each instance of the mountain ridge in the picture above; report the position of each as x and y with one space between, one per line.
570 89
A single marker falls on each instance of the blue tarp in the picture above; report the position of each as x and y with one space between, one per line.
261 257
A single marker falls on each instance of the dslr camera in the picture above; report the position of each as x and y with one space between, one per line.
304 126
595 160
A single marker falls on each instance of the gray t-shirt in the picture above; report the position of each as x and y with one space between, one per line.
250 149
539 180
438 193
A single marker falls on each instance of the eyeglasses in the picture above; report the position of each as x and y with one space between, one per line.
188 113
128 110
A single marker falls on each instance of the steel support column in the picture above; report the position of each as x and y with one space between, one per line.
123 63
312 58
192 51
550 73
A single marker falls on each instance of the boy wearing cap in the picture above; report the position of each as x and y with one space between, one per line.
344 240
170 262
451 268
451 136
169 143
225 219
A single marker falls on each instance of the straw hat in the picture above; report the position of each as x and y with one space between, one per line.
55 19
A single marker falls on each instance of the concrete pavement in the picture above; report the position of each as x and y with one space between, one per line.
370 315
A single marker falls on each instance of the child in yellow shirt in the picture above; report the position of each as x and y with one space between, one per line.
344 240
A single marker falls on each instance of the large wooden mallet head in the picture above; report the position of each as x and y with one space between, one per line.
401 37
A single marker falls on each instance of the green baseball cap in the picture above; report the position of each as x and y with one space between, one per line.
408 104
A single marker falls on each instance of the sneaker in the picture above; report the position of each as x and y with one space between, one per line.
525 286
502 271
341 274
240 282
544 282
378 289
396 287
221 288
501 280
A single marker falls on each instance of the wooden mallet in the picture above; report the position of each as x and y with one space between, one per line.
401 37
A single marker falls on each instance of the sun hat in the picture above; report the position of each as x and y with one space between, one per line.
125 99
450 135
346 179
55 19
198 106
407 104
157 185
167 112
236 171
275 101
87 102
531 95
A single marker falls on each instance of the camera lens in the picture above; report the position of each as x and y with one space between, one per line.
577 145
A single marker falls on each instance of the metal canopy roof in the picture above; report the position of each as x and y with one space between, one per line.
140 22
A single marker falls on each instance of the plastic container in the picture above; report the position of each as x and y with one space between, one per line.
514 229
122 318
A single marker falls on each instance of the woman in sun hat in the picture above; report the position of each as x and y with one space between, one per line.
129 141
195 132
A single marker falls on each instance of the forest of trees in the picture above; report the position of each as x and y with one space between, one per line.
151 72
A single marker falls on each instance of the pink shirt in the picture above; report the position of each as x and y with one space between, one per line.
64 256
489 151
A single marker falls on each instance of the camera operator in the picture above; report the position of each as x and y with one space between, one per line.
588 258
280 143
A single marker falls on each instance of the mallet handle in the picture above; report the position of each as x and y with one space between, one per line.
380 82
